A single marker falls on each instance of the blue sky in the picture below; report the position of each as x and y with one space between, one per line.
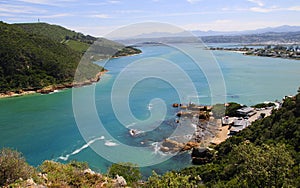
99 17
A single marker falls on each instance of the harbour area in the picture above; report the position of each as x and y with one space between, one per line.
213 124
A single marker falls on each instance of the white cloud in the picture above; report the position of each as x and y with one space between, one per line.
5 15
56 15
274 8
223 21
295 8
257 2
128 11
260 9
114 2
20 9
193 1
103 16
47 2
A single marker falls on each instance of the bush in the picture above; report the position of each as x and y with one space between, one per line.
264 105
13 167
173 179
71 174
129 171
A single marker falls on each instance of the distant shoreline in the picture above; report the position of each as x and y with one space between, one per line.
52 88
272 52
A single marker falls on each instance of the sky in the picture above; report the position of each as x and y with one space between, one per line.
100 17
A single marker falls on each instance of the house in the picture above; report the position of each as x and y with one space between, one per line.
238 125
227 120
246 111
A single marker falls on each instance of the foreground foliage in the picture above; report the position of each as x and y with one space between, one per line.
13 166
15 172
129 171
173 179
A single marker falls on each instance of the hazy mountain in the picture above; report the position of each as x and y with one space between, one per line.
162 36
284 28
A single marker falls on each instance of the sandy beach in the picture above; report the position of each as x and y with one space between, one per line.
221 135
13 94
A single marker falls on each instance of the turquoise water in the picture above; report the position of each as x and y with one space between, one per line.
44 126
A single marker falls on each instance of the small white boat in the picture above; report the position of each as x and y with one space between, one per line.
149 107
134 132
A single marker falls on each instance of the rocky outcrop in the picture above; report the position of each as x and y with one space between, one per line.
201 156
120 181
171 146
190 145
175 105
174 146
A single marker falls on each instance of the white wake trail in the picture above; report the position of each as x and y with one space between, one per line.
65 158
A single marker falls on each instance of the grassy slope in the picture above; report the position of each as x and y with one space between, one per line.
32 61
35 55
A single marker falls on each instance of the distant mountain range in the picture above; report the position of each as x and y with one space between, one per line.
283 28
199 33
271 35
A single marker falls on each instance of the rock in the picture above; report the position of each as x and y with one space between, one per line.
121 181
164 149
201 156
89 171
190 145
30 183
171 146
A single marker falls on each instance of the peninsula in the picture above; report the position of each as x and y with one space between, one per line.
41 58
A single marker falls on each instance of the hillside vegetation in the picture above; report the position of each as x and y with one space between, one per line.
33 56
266 154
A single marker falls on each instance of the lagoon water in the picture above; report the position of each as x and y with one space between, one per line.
44 127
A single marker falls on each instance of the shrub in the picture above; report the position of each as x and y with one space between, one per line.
71 174
129 171
173 179
13 167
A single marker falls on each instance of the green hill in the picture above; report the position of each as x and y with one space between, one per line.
266 154
76 41
33 56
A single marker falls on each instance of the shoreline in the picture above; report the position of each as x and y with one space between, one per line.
272 53
52 88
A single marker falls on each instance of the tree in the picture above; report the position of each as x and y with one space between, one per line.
13 166
172 179
231 109
129 171
262 166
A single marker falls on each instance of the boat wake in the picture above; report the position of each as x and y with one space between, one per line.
130 125
110 143
65 158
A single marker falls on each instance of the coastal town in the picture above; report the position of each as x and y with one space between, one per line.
276 51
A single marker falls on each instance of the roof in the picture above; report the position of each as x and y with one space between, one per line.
245 110
240 122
